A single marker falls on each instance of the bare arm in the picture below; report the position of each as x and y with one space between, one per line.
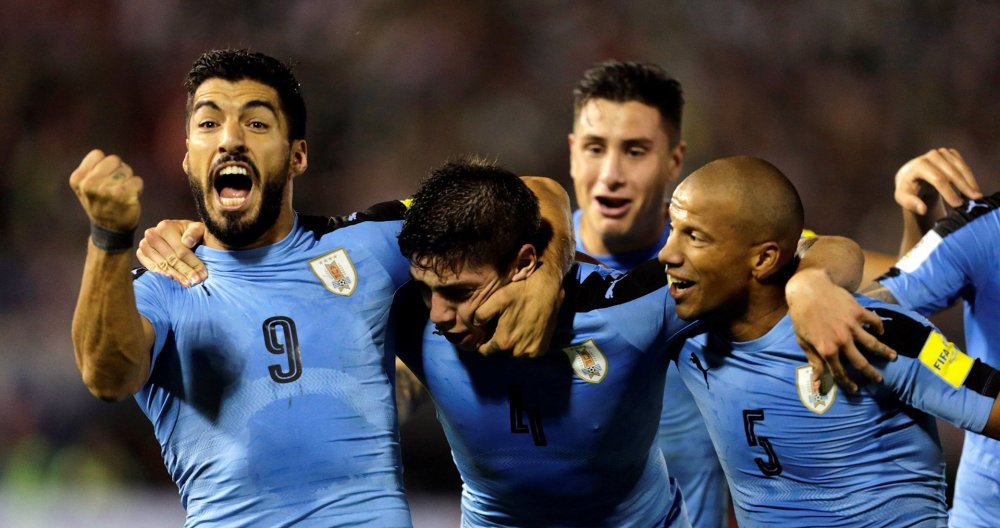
527 311
829 323
111 340
876 264
410 393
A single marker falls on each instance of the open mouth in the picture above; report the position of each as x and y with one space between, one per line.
233 184
678 285
613 207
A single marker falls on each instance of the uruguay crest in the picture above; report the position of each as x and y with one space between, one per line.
816 401
336 271
588 362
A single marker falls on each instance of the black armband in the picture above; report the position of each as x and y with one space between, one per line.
111 241
983 379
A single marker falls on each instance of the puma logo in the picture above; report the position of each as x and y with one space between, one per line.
698 365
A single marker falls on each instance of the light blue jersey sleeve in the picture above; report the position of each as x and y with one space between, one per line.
954 260
152 293
931 374
957 259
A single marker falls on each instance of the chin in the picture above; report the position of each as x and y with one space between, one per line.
687 313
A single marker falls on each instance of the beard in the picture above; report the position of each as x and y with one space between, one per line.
239 229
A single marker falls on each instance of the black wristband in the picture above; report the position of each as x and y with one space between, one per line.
111 241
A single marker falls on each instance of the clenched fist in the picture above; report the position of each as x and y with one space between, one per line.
108 191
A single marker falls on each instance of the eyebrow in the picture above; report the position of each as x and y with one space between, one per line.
255 103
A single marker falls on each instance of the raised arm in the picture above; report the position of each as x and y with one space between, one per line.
829 323
526 311
921 185
111 340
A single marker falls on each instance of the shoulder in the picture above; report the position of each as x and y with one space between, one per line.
592 287
968 213
384 212
904 330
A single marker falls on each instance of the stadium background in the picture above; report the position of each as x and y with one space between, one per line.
837 94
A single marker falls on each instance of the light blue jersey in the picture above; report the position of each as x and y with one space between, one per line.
270 389
960 259
796 455
567 439
682 435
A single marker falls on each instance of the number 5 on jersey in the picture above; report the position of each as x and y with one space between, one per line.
772 467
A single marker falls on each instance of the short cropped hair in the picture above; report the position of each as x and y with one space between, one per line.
242 64
643 82
469 212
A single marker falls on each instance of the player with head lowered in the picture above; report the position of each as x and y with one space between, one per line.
795 452
566 439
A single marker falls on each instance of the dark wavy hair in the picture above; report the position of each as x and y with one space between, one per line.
469 212
239 64
644 82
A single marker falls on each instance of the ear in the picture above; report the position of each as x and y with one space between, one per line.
185 164
766 259
299 158
525 263
677 159
570 141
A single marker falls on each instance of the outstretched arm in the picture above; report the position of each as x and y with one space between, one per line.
111 340
526 311
829 323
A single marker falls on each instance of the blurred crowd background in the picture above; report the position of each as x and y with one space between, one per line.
837 94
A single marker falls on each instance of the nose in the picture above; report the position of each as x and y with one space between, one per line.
611 174
442 312
670 255
232 138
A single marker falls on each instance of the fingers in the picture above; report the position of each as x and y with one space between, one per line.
943 169
491 308
910 202
85 167
162 250
867 340
971 189
489 348
870 318
815 361
944 176
861 364
194 233
839 373
874 346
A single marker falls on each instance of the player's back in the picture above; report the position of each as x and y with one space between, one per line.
269 391
565 439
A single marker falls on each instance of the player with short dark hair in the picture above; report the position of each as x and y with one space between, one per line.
625 153
795 452
269 387
566 439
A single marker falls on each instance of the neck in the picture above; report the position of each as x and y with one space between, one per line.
765 307
282 226
599 244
